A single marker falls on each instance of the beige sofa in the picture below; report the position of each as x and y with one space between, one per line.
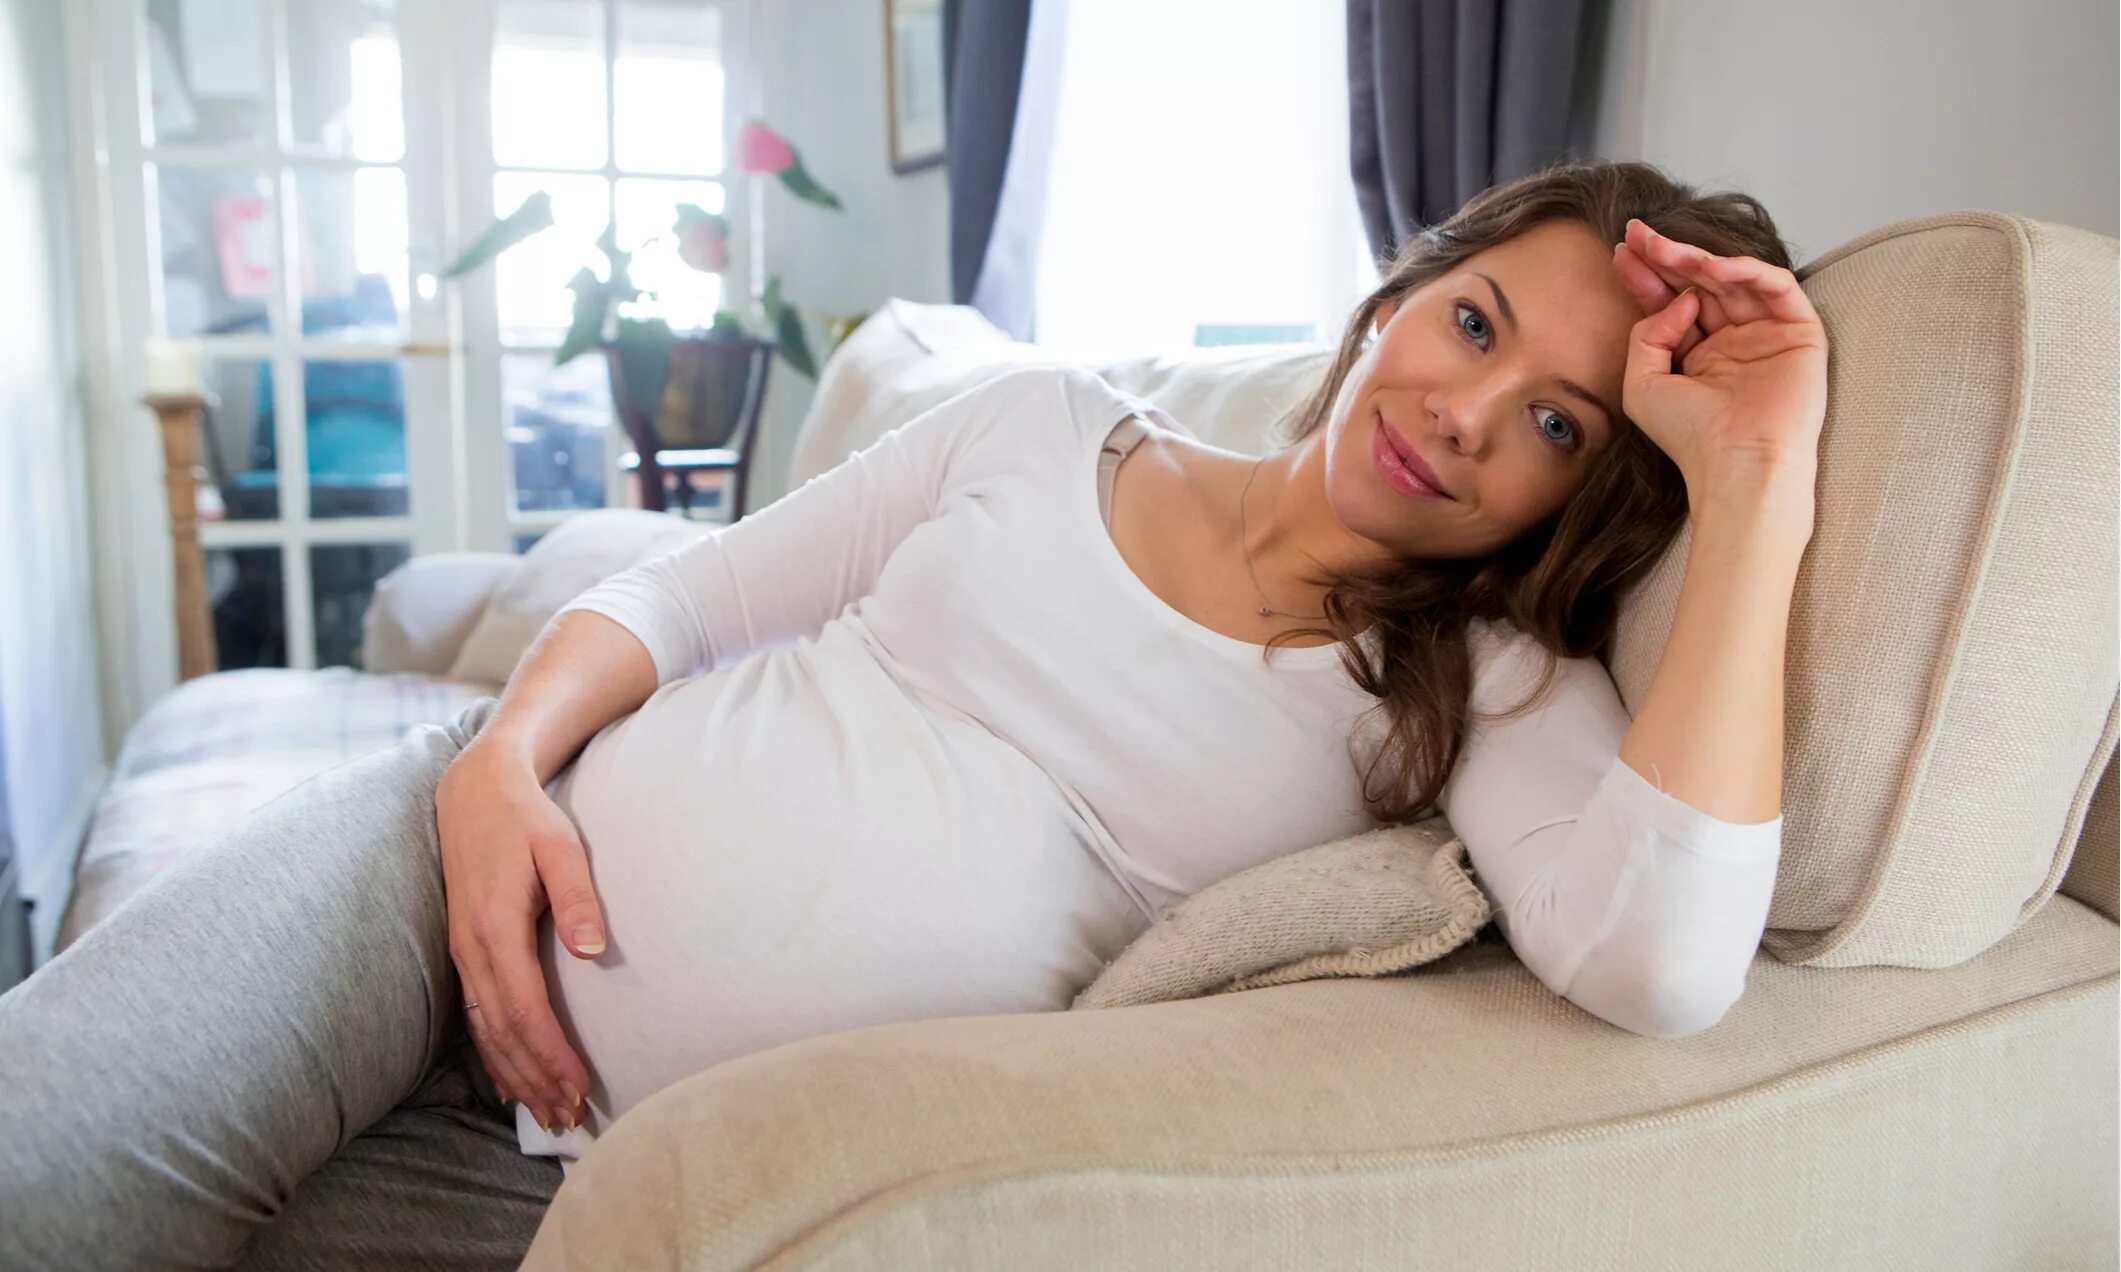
1921 1074
1928 1081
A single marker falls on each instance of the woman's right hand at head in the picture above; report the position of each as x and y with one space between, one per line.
508 854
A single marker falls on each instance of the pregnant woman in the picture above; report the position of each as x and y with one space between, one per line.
940 732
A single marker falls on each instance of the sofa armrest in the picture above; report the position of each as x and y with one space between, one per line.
423 610
772 1158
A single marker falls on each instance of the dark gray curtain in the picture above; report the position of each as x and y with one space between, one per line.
1001 83
1449 97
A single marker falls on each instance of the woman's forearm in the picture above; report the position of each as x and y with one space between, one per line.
581 673
1710 730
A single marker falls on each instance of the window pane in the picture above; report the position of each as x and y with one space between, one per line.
548 84
242 482
215 229
530 279
668 86
343 576
559 426
683 296
205 73
351 239
250 624
355 427
345 92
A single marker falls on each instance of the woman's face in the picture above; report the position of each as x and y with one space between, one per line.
1508 399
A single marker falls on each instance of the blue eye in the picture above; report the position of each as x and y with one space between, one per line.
1571 439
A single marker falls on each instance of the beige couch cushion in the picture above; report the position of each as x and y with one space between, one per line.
574 555
1952 654
2095 872
908 357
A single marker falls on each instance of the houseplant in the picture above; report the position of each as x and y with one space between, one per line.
702 404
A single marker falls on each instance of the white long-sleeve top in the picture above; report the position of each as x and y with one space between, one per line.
925 745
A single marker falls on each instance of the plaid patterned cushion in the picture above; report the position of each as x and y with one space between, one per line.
222 745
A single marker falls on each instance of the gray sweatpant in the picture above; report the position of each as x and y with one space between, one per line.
260 1060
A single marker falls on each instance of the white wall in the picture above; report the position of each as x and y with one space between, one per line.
50 715
1843 116
822 69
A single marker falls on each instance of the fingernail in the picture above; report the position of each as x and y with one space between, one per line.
589 939
574 1097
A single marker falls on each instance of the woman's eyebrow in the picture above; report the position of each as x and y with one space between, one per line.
1509 315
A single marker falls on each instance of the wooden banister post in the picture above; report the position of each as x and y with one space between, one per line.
181 416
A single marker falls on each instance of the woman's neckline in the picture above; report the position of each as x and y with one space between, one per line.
1108 551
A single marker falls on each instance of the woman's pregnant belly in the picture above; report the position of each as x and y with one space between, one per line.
793 846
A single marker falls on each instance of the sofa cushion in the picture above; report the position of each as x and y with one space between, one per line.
908 357
1371 904
219 746
1952 649
573 556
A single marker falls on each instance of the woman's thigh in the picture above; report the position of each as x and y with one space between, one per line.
173 1076
438 1183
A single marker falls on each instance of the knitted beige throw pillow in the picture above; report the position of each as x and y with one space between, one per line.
1367 905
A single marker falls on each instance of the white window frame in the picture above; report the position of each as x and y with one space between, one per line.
458 482
496 523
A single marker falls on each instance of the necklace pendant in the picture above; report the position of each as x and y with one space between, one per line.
1264 611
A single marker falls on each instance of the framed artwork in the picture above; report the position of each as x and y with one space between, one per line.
913 81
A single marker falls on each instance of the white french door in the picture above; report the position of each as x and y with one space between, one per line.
285 180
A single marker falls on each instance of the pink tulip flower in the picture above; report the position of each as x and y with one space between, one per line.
762 151
702 245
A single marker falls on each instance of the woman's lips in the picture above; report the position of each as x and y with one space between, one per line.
1398 474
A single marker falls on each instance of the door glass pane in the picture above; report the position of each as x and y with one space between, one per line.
355 426
530 279
344 89
205 73
214 228
548 84
344 577
683 296
242 482
559 426
250 624
351 249
667 88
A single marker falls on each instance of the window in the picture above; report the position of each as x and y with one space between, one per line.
615 110
1199 190
281 201
269 163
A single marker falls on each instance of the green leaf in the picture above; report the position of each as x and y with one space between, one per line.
592 300
793 344
804 186
533 215
619 280
726 323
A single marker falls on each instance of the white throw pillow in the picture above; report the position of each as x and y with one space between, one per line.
908 357
572 557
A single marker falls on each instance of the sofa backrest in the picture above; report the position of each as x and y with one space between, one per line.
1952 653
1951 695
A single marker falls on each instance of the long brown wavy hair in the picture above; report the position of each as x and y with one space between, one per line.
1560 581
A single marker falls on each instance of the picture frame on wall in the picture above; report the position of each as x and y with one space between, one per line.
913 83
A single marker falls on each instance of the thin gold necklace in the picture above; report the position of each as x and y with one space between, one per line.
1244 544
